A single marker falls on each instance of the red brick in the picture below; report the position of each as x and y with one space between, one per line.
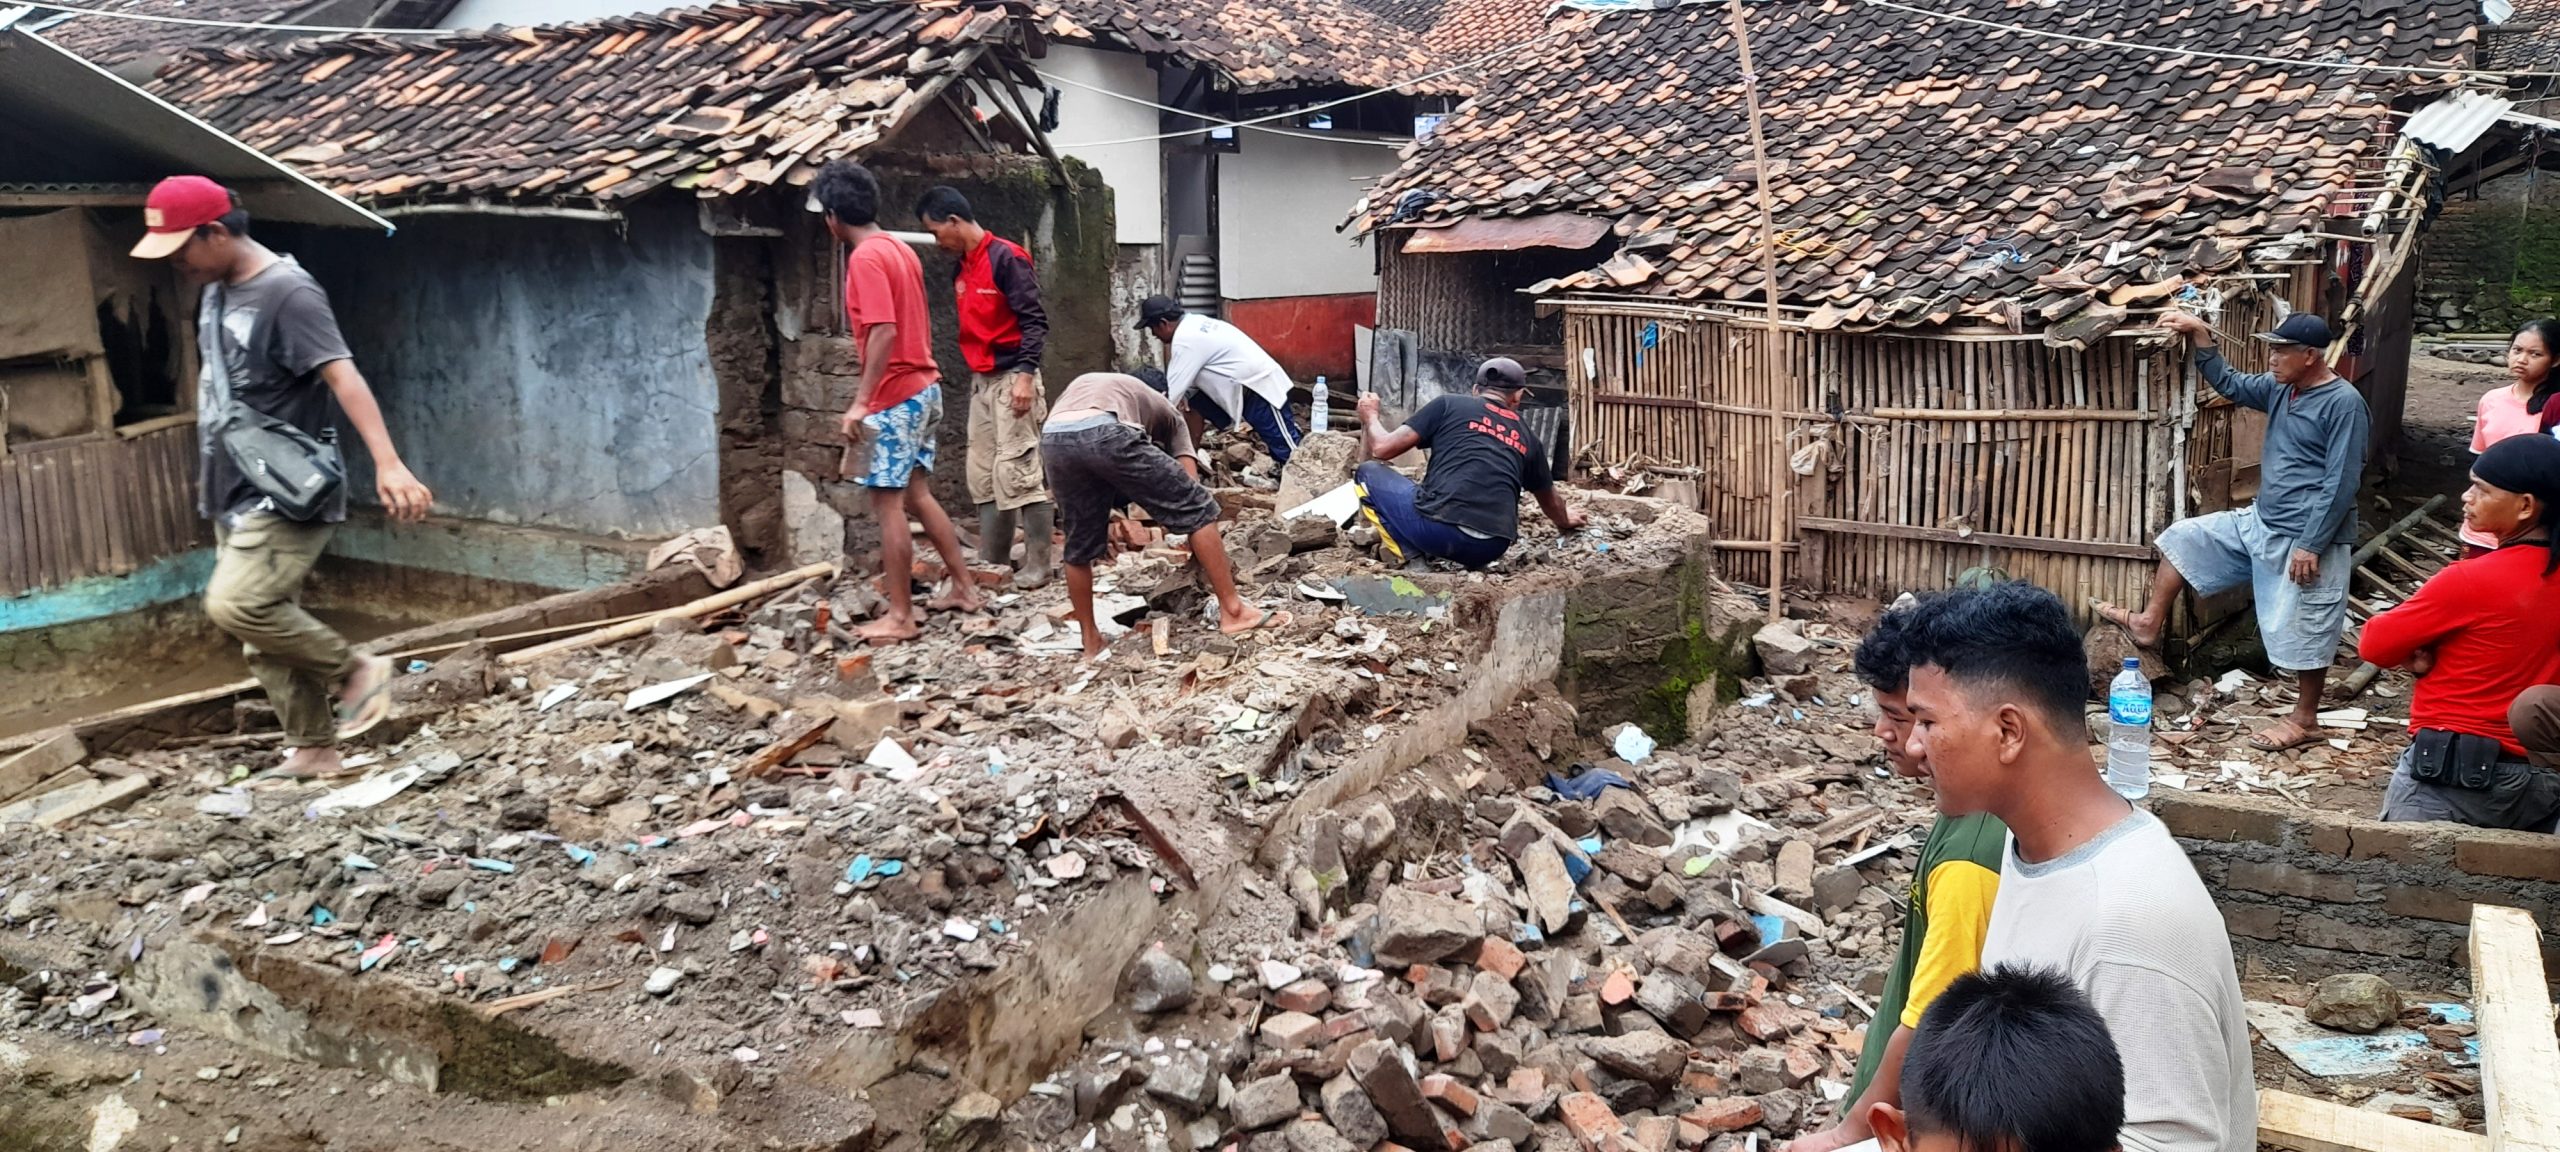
1802 1066
1655 1133
2255 921
1699 1081
1767 1020
2312 931
1309 996
2223 818
1350 1023
1589 1119
1500 957
1446 1089
2520 855
1730 1114
2399 842
2287 880
1523 1087
1619 988
1292 1030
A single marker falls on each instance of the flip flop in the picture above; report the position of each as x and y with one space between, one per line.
2259 740
1271 618
370 709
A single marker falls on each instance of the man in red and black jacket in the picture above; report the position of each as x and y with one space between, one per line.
1002 331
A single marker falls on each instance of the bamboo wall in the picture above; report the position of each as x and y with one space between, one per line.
96 506
1937 454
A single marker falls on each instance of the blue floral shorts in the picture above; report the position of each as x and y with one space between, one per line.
901 440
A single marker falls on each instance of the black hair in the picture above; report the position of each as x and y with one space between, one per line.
944 202
2012 634
2547 330
848 192
2015 1059
1152 377
1883 660
235 221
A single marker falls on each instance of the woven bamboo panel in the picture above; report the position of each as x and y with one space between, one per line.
72 509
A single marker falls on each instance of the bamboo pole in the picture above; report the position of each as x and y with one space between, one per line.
699 608
1769 335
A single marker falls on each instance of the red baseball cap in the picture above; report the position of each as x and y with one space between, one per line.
178 206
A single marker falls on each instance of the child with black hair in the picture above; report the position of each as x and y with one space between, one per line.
2012 1059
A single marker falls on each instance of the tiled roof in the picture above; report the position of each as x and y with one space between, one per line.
1926 170
717 99
2529 40
1458 30
1258 44
109 41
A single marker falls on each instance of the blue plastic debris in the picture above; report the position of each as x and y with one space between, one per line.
891 867
509 963
864 867
486 864
1588 783
1590 845
1527 932
1772 929
1577 866
322 917
584 856
996 926
417 666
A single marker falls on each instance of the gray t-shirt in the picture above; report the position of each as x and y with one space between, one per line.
2126 918
2312 459
274 332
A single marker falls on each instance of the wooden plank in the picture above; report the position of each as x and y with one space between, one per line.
1978 539
2303 1124
2519 1056
23 771
61 806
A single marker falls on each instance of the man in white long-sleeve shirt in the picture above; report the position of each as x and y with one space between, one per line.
1215 374
2090 884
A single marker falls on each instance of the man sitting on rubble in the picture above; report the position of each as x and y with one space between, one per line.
2008 1060
2484 638
1111 441
2090 884
2294 546
1952 886
1467 509
1216 374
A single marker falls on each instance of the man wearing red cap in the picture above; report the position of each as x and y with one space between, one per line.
272 365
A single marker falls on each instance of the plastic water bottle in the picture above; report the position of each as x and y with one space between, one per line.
1317 415
2129 735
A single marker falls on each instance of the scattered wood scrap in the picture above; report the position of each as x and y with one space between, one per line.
25 772
2519 1056
776 753
2305 1124
63 805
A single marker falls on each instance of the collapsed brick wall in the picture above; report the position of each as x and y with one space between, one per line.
2311 893
2491 259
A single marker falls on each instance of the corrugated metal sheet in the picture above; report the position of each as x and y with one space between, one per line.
2455 122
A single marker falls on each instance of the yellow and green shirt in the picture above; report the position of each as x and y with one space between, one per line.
1951 893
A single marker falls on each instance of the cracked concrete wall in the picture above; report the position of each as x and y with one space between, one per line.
542 372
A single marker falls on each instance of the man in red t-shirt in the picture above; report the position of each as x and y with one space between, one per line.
897 406
1003 330
2482 635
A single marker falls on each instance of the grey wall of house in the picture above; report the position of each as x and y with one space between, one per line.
537 371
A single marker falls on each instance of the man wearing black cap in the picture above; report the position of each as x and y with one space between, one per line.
1467 509
1215 373
2293 547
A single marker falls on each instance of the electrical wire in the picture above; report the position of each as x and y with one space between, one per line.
1461 66
239 25
2198 53
1213 122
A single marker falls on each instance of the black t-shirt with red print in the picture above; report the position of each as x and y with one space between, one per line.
1482 456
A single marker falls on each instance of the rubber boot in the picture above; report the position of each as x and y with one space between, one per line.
995 536
1039 541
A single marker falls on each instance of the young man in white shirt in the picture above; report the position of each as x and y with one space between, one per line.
1215 373
2090 885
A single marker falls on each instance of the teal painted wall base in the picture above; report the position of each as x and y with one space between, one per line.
164 581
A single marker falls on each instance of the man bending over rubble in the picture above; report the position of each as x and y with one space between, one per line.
1467 509
275 368
2009 1060
1111 441
897 407
2293 546
2090 885
1949 908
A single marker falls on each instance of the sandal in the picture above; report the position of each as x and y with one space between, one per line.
372 706
2266 740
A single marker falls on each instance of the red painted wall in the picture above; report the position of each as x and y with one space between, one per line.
1309 335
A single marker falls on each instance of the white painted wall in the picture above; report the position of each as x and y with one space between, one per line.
1279 198
1135 172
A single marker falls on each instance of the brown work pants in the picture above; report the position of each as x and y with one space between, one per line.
256 596
2536 718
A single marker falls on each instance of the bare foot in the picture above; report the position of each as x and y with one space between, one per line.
888 630
313 764
2142 626
2289 732
960 598
1246 621
1094 645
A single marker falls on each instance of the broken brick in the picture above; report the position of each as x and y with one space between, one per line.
1767 1020
1619 988
1309 996
1592 1123
1288 1030
1730 1114
1446 1089
1490 1002
1500 957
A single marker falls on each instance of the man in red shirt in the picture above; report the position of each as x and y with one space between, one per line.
1003 329
2481 635
897 405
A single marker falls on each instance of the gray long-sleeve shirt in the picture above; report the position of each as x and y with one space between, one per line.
2313 458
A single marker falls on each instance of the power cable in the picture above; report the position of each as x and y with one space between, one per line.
2198 53
240 25
1214 123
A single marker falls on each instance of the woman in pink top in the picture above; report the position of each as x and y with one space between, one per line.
2517 408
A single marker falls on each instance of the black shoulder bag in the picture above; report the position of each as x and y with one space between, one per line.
300 472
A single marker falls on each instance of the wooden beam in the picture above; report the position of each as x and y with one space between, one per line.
2303 1124
2519 1056
2099 548
49 756
62 806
